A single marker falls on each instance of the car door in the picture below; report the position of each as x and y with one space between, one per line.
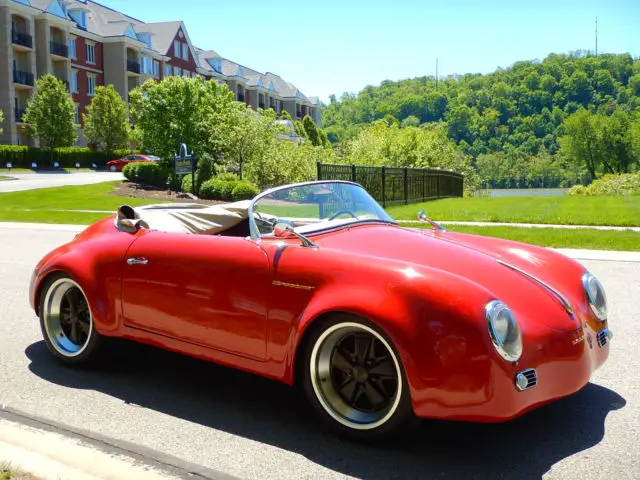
204 289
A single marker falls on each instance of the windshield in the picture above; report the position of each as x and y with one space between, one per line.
316 206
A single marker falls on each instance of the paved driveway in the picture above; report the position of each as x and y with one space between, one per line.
253 428
31 181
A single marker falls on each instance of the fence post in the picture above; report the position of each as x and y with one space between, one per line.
384 185
318 170
353 173
406 185
438 175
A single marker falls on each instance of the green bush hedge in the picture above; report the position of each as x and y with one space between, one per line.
149 173
614 185
227 190
22 157
244 191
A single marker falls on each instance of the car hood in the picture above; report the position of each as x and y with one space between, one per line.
501 266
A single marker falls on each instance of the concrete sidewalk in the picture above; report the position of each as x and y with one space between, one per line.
525 225
50 455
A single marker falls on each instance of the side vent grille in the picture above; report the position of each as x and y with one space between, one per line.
526 379
603 337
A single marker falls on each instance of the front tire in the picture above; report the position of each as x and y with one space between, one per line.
354 379
67 323
113 168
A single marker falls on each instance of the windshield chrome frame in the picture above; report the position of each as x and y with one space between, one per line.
253 228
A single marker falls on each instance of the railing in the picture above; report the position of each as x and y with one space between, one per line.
390 185
66 85
261 105
25 78
18 114
21 38
241 97
133 66
59 49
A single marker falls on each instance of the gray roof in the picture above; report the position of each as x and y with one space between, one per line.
106 22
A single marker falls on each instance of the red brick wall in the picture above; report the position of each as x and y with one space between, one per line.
190 64
83 68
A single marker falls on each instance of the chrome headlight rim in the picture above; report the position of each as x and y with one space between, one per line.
589 280
512 351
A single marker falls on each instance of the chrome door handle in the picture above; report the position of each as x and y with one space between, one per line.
137 261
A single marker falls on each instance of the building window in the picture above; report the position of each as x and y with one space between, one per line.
185 51
74 81
72 47
146 65
91 85
76 114
177 71
176 49
156 68
91 53
186 74
167 70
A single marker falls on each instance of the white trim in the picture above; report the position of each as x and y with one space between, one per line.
89 43
87 69
95 84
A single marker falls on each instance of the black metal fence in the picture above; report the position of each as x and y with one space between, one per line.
389 185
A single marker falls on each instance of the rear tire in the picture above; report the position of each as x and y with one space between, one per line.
354 380
67 323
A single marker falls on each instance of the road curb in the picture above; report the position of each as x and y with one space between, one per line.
52 451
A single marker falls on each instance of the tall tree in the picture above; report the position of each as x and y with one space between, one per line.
106 123
50 114
181 110
311 130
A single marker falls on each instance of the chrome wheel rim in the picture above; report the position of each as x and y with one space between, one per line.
67 317
356 376
113 168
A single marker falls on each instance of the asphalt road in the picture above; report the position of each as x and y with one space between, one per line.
258 429
31 181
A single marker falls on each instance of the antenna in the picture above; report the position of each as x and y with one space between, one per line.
596 36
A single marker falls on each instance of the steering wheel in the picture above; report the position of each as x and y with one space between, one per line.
346 210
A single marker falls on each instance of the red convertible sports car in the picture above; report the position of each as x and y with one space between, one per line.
315 285
120 163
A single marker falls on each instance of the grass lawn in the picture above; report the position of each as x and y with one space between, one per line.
558 237
574 210
41 205
4 177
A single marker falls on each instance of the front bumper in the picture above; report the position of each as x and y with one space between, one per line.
559 364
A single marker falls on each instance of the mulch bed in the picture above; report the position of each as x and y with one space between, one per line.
161 195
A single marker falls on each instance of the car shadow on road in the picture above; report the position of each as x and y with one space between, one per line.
269 412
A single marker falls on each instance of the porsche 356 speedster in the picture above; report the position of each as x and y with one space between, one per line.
315 285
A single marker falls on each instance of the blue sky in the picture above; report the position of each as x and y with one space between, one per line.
332 46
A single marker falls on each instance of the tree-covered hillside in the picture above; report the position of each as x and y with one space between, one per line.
516 110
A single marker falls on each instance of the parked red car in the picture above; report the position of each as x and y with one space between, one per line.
316 286
120 163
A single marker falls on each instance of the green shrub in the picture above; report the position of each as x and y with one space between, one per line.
149 173
208 190
610 184
243 191
215 189
187 184
67 157
227 177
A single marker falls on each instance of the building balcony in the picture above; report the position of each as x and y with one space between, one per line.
261 105
23 78
133 66
18 114
241 97
21 38
59 49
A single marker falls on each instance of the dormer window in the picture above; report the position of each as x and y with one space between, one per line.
79 16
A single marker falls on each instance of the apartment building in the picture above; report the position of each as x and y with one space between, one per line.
86 44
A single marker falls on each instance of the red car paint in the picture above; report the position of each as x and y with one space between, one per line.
118 164
247 304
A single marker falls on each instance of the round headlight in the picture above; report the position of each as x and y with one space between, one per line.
595 295
504 331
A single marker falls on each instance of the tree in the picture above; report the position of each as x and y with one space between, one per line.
181 110
311 130
50 114
105 122
284 115
1 121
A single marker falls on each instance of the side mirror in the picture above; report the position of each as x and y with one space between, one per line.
283 230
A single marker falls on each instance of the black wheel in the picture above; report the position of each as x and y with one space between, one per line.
66 322
354 379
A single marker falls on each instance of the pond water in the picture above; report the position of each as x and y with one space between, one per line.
522 192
